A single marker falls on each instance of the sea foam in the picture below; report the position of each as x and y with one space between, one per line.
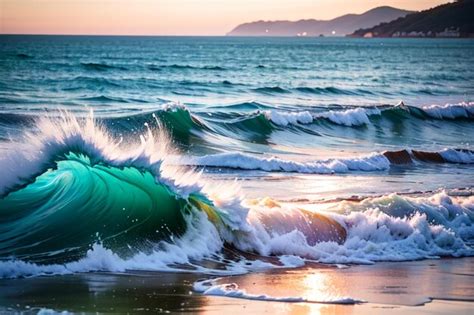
450 111
348 117
373 162
211 287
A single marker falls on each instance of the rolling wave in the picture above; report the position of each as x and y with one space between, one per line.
450 111
362 115
375 162
369 163
354 116
256 122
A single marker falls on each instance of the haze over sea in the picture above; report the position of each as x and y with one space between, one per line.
255 130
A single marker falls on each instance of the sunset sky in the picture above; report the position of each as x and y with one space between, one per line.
171 17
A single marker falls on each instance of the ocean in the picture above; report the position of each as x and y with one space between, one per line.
226 156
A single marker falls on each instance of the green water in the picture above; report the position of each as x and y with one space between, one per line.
70 207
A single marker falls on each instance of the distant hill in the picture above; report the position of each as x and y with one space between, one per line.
339 26
448 20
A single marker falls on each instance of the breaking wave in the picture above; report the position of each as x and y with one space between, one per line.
369 163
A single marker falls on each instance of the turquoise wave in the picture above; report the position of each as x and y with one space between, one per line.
68 208
77 198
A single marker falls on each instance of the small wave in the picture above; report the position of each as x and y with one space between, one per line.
23 56
370 163
180 121
176 66
287 118
450 111
211 287
359 116
325 90
374 162
104 99
100 66
217 68
154 68
269 90
458 156
348 117
244 106
192 67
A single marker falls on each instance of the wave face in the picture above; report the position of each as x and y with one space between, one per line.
121 207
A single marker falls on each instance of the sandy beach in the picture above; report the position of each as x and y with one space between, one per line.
418 287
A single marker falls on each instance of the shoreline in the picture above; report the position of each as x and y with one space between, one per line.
414 287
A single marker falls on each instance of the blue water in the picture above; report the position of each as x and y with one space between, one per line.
133 72
317 123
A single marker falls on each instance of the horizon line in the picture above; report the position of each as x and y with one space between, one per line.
160 35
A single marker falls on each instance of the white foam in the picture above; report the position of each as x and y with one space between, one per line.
458 156
350 117
48 311
388 228
450 111
210 287
291 261
288 118
373 162
360 116
172 106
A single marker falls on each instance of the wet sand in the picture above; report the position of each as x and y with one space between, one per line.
419 287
